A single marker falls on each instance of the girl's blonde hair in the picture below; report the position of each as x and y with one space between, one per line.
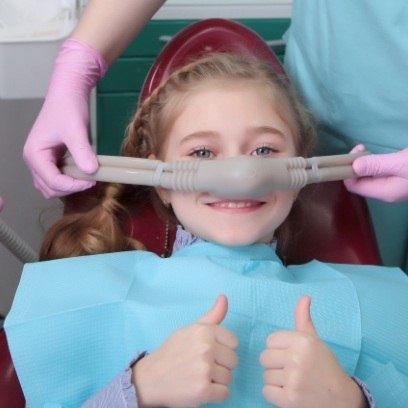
98 225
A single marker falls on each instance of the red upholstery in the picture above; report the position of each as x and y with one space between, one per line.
335 228
203 37
11 395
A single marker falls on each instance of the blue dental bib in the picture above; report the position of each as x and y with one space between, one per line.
76 323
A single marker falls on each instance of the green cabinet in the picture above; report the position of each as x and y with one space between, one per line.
118 92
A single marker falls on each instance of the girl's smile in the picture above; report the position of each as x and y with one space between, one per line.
235 206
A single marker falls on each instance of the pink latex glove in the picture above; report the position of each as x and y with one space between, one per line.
381 176
63 121
1 204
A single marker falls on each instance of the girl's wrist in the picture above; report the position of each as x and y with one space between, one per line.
138 369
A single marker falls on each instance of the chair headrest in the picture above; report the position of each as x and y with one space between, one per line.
201 38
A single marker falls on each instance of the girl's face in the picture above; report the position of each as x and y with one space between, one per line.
222 122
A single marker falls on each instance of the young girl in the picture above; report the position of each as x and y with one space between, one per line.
76 323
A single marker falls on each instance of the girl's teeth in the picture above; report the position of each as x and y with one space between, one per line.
229 204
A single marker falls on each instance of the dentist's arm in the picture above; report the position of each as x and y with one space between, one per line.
381 176
105 30
109 26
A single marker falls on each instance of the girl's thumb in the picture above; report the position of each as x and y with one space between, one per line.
303 319
217 313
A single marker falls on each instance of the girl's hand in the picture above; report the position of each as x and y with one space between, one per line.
301 371
381 176
193 367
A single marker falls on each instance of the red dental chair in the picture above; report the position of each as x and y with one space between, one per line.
336 228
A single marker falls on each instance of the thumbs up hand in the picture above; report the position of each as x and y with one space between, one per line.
192 367
301 371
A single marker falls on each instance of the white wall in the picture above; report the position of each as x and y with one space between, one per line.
24 205
176 9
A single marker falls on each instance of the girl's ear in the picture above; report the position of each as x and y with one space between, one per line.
161 192
164 195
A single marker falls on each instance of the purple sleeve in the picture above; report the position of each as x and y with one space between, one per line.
120 392
364 388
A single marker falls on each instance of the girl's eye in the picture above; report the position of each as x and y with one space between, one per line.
264 151
202 153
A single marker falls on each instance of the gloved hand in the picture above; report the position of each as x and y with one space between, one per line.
1 204
63 121
381 176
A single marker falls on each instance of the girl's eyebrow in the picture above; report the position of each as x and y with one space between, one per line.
257 130
199 134
253 131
